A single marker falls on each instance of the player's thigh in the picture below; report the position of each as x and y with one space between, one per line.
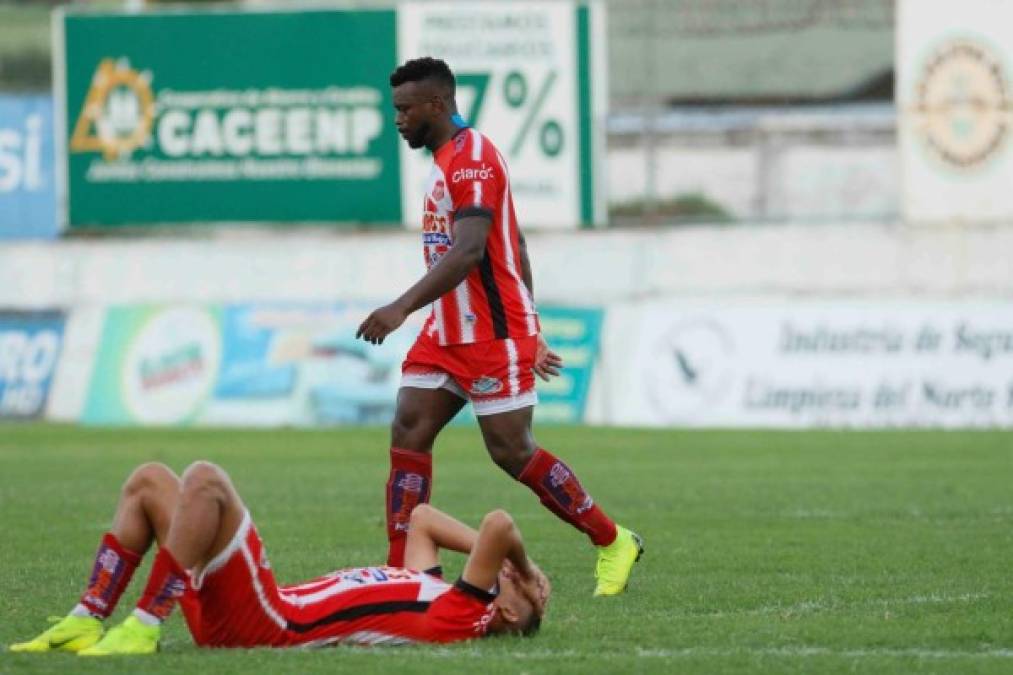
232 510
421 414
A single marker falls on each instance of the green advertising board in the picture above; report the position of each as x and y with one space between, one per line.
285 116
196 117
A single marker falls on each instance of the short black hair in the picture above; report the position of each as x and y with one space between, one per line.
534 623
425 68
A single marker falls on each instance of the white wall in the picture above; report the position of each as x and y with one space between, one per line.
581 268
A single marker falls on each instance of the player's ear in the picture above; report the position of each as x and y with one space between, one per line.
509 614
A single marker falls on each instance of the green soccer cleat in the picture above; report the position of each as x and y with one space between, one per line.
615 562
130 637
70 634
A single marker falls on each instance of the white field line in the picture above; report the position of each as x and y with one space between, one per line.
807 606
713 652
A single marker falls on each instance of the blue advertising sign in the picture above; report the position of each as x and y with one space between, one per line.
27 177
30 346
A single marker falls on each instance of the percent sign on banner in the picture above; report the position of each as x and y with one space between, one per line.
550 133
472 90
518 85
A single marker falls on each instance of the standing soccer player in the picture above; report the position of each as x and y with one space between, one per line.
482 341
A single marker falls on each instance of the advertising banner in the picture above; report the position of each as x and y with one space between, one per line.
955 103
575 334
175 117
30 347
190 116
811 364
244 365
524 80
27 178
284 364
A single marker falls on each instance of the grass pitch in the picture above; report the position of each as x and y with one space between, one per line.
821 552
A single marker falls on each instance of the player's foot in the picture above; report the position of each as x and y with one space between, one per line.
615 562
70 634
130 637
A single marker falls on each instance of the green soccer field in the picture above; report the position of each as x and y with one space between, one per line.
822 552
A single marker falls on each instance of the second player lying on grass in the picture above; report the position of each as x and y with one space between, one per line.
212 562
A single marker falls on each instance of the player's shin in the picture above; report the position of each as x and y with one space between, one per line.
408 485
165 587
114 567
559 490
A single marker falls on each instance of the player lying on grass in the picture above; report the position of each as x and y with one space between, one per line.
212 562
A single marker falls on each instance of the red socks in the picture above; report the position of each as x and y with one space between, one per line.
410 482
561 492
113 569
165 586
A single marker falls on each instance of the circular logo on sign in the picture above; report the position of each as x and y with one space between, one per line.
171 366
962 104
690 368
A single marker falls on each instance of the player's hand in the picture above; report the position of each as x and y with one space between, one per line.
542 587
532 583
547 362
381 323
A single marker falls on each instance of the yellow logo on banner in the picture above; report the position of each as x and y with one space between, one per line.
118 111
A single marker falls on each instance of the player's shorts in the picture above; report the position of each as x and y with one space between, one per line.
496 375
234 600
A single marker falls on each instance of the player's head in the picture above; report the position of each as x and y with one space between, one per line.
424 92
514 613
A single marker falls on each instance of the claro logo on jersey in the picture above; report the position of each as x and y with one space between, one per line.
144 133
483 173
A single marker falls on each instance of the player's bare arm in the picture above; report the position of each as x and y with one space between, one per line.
498 541
431 530
470 236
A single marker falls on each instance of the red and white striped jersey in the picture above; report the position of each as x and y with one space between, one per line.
383 605
469 177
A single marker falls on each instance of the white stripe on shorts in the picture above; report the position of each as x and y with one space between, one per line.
270 611
513 371
496 406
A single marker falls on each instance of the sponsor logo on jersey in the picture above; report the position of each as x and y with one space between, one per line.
486 385
485 172
436 239
433 222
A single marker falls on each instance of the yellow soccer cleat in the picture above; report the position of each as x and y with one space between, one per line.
130 637
70 634
615 562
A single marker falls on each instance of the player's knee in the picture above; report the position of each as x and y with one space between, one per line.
149 476
498 520
420 514
204 477
512 458
409 430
